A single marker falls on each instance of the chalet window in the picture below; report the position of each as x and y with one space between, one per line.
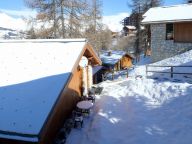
169 31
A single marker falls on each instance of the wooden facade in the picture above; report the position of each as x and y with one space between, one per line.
183 32
124 62
128 30
65 103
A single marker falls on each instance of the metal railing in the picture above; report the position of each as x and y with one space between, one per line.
171 72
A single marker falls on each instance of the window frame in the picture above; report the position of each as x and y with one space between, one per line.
169 30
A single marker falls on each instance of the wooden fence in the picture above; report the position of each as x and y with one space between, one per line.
104 76
171 72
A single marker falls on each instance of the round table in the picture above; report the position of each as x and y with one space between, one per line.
84 105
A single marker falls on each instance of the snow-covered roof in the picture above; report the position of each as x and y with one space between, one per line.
96 69
131 27
32 75
113 58
176 13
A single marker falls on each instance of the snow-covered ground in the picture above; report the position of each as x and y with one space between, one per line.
7 33
138 110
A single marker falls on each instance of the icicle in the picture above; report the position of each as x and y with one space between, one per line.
90 77
85 92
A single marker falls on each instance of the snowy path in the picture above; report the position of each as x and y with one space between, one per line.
141 111
128 116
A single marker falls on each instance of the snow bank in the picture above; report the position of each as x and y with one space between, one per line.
178 60
182 59
139 111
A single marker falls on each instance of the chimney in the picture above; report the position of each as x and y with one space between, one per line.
109 53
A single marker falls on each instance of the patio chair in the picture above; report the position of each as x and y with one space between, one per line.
86 112
83 98
98 90
78 119
91 95
91 98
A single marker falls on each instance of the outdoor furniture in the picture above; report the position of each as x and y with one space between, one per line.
85 106
91 95
88 98
91 98
78 118
98 90
83 98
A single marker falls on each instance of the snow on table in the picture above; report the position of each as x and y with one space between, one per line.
32 75
84 104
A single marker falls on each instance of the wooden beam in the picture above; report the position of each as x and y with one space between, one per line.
90 57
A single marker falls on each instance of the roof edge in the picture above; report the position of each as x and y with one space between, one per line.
94 53
175 5
166 21
19 136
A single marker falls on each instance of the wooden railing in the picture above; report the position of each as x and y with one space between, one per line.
104 76
171 72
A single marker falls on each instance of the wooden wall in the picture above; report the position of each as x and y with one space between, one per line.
63 109
148 52
126 61
183 32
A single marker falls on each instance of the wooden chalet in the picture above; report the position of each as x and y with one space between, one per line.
129 29
116 60
170 30
41 82
114 34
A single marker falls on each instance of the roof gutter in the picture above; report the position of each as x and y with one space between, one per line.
166 21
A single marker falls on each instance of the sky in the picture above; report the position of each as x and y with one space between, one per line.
110 7
113 10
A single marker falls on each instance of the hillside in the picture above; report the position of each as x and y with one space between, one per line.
6 33
11 28
141 110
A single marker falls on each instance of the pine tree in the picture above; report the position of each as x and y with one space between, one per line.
70 19
46 13
139 7
94 25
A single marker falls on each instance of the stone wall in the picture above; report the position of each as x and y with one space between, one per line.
162 48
